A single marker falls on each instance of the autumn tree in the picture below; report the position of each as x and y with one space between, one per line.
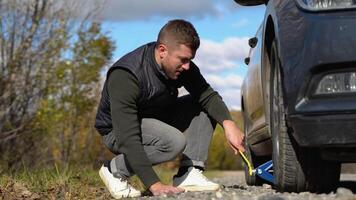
67 113
50 63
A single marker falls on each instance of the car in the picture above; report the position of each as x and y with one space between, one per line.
298 97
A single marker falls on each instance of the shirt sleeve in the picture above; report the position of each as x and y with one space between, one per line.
123 91
208 98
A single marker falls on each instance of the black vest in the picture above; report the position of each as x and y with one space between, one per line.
156 90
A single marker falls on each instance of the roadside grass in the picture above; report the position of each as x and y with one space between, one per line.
52 183
70 183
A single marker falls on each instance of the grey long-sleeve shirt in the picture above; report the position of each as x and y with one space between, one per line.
123 88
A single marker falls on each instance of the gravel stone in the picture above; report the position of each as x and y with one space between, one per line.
266 186
233 187
344 192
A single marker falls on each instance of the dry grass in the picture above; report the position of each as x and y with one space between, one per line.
71 183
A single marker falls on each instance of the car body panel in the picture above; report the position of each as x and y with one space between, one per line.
310 44
253 92
257 129
322 39
251 2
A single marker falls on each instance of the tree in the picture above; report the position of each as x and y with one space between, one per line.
68 110
220 154
50 62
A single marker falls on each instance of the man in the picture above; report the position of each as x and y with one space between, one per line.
144 123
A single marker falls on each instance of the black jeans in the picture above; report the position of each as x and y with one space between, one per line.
182 127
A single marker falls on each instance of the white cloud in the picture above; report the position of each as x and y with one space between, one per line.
229 87
214 56
220 82
128 10
232 98
241 23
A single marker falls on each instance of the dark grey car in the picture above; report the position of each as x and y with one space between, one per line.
299 94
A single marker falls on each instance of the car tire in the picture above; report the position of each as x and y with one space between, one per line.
295 169
255 161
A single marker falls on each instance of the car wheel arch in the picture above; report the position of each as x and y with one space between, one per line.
269 37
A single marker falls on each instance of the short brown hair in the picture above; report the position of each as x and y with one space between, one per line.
179 31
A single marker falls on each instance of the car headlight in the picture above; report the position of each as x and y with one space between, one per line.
337 83
326 4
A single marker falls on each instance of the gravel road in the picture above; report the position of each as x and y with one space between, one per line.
234 187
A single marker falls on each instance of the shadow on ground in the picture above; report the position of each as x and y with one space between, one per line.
351 185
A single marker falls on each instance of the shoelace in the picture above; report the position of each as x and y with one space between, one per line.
199 173
127 186
130 188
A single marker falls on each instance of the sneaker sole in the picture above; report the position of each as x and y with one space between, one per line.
194 188
102 176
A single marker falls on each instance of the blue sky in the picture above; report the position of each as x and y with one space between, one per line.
223 27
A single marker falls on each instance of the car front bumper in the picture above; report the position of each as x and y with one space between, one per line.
324 131
325 43
312 44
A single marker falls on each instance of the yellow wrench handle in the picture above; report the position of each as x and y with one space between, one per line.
247 162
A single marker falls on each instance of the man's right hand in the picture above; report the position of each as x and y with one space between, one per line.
159 189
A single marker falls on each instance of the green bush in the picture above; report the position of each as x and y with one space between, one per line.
221 156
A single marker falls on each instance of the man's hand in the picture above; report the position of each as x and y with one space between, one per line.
159 189
234 136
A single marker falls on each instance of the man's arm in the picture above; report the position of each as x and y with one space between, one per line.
234 136
123 91
213 104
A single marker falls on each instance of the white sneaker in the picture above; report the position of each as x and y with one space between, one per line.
194 180
117 187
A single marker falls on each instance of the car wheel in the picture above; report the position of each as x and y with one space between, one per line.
295 169
255 161
251 179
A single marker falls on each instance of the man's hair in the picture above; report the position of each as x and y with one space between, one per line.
178 32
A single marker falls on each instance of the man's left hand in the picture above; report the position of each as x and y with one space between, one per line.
234 136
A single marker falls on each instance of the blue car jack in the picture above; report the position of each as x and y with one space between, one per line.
263 171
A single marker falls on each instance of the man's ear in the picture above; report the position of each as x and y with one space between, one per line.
162 50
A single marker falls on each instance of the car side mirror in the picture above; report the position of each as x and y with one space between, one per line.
252 42
247 60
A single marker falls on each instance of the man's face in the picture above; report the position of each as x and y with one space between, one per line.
176 59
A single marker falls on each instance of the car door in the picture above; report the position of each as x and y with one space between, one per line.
253 98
